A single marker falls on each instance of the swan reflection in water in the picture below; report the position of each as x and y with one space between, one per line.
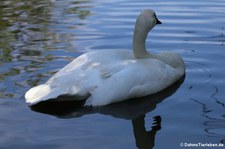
145 139
133 109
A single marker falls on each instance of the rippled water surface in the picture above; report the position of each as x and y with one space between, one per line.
38 37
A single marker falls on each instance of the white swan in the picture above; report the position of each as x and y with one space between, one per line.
107 76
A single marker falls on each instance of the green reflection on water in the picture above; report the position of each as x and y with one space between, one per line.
28 39
20 21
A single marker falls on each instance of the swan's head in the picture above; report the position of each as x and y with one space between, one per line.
147 20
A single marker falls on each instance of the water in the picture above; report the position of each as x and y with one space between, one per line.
37 38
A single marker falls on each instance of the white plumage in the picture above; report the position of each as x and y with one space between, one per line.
108 76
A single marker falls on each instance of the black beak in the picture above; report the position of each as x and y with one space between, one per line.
157 21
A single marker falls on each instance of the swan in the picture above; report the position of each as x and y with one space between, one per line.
107 76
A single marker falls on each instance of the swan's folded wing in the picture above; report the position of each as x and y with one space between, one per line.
134 80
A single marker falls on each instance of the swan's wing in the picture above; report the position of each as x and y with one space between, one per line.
134 79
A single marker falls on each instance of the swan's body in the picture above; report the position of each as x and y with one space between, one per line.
108 76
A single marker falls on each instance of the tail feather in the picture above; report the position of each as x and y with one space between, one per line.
40 93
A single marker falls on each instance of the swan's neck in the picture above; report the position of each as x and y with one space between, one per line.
139 38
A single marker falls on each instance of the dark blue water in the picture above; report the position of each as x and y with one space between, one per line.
38 37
